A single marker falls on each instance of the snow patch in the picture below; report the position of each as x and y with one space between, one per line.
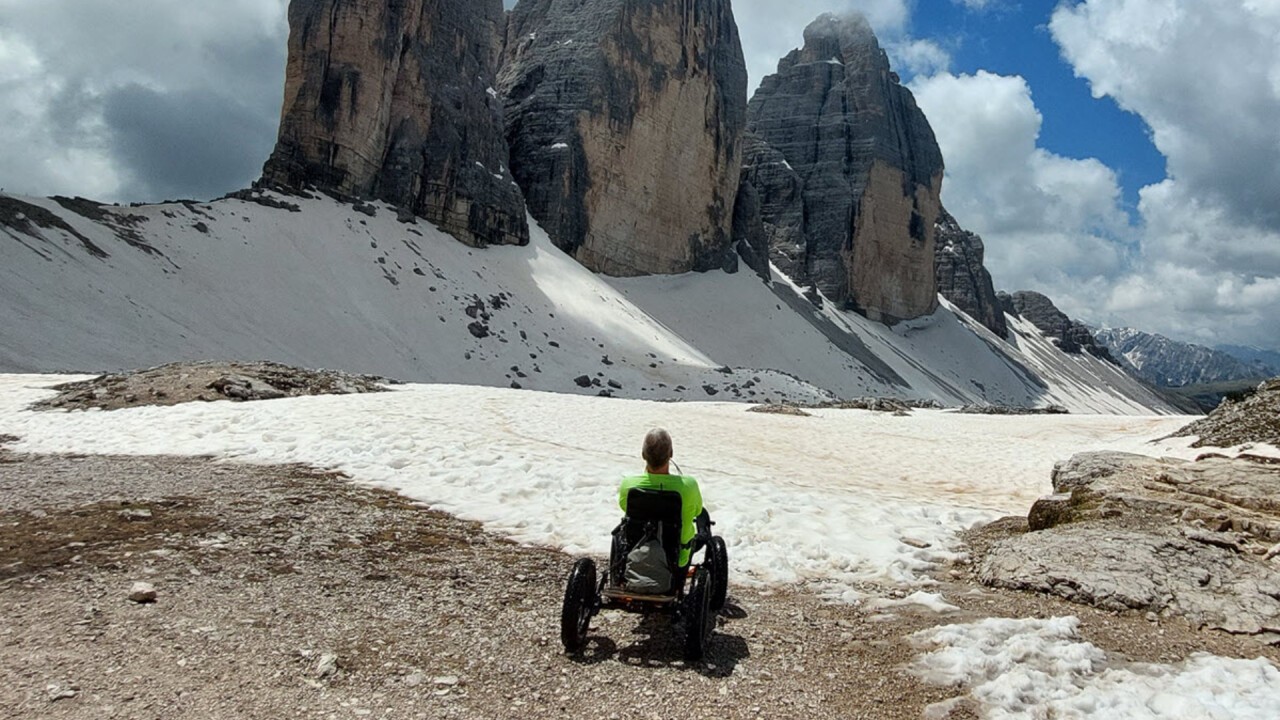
1032 669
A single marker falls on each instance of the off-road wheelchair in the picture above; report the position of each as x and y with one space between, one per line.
696 594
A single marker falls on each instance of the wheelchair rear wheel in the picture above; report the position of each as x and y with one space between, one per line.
617 560
579 605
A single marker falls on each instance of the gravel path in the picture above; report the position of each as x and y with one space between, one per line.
288 592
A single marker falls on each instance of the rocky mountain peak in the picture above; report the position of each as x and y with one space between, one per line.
395 102
848 173
831 33
625 119
1073 336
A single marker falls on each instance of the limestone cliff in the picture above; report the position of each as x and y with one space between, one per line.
624 119
848 172
963 279
395 101
748 230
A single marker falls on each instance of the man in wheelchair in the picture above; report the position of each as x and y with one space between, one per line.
652 547
651 565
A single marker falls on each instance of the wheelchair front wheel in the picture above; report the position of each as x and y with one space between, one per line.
699 620
718 559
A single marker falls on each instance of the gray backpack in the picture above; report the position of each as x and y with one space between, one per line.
647 569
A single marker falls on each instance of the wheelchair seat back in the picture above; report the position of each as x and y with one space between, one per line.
654 510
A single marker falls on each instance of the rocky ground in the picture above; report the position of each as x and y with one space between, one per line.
1255 419
176 383
288 592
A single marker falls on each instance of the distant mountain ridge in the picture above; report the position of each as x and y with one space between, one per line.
1173 364
1267 361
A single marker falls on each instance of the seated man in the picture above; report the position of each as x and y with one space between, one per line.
657 459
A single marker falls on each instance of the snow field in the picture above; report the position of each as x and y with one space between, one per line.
1033 669
825 501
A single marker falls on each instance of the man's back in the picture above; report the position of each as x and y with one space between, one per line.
690 500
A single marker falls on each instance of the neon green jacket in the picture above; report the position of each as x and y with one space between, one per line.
690 502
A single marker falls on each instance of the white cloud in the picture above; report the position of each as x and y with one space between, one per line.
914 57
1206 79
1203 260
1056 225
1051 223
771 29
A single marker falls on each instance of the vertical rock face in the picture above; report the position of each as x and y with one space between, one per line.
748 230
394 101
779 192
1073 337
850 173
624 119
962 278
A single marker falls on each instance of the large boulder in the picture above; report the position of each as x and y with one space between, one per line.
625 121
396 102
1125 532
850 174
962 278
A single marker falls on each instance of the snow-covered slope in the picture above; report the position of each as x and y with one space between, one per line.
88 288
947 357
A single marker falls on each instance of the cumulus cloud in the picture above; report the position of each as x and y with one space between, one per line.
1051 223
913 57
1206 79
138 101
1202 260
1204 76
771 29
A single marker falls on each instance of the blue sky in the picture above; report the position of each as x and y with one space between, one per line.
1014 39
1121 156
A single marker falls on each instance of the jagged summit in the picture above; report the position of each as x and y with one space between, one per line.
848 172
